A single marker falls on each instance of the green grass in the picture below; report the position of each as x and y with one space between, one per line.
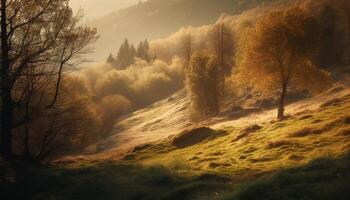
322 179
109 181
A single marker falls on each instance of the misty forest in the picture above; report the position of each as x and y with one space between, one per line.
175 99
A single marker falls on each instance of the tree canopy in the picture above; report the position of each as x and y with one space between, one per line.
278 54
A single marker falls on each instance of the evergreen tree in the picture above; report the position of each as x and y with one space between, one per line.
111 60
126 55
147 56
143 51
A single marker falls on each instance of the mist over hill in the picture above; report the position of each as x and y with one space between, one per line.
154 19
94 9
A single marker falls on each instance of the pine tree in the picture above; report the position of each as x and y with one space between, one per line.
126 55
111 60
143 51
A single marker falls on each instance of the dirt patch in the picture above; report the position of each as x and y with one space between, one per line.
194 158
192 137
346 120
302 132
278 144
317 121
296 157
216 165
345 132
217 154
141 147
306 117
247 131
261 159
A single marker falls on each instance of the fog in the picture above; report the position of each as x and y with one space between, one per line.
139 85
97 8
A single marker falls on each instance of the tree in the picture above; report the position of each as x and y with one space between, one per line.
39 39
126 54
202 82
335 33
143 51
222 46
111 60
187 46
278 55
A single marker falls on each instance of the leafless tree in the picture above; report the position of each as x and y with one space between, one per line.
41 41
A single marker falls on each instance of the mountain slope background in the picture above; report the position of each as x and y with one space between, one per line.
154 19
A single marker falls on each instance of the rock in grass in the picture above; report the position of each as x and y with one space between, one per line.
191 137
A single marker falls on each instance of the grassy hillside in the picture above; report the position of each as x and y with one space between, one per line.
257 149
154 19
304 157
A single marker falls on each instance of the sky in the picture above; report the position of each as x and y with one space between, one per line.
97 8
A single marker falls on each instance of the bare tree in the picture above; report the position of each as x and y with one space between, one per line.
222 47
221 43
187 46
43 36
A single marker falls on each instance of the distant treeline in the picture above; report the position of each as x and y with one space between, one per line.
127 54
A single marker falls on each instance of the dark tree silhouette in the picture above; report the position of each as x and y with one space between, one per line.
39 38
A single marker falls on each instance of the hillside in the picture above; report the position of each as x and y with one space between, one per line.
154 19
253 157
150 127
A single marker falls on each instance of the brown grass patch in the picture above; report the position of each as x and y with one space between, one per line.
302 132
345 132
216 165
195 136
308 131
332 102
346 120
306 117
278 144
296 157
141 147
247 131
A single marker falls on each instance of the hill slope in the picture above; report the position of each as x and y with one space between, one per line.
159 123
254 157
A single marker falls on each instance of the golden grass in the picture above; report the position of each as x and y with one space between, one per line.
293 142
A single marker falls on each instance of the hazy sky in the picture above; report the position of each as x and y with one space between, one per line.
98 8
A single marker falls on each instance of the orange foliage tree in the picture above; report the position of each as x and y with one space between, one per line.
277 54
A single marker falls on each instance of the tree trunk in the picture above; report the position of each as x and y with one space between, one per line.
6 124
6 88
280 115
